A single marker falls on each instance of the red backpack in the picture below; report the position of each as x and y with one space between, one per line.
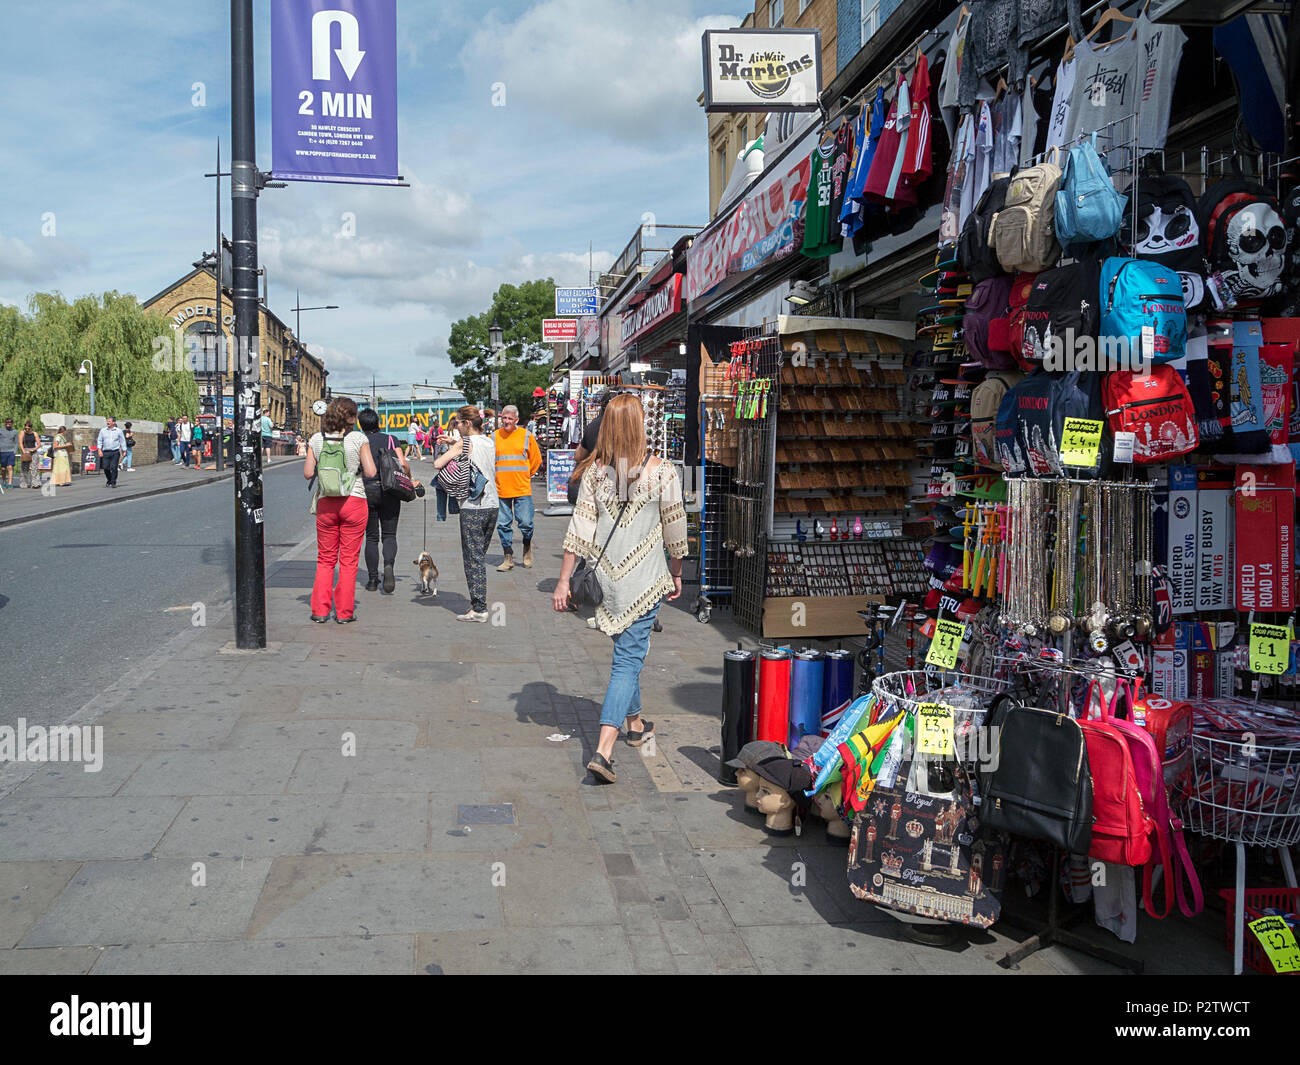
1121 828
1156 408
1021 286
1170 725
1149 776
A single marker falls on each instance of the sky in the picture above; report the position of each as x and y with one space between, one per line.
114 109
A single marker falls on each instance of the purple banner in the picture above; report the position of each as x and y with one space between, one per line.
334 90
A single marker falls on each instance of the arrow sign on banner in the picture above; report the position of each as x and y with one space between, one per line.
350 55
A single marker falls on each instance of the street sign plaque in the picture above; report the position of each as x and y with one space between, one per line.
559 330
575 302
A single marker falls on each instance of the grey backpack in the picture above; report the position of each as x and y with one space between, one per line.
1023 233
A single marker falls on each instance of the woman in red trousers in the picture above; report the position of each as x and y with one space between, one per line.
340 520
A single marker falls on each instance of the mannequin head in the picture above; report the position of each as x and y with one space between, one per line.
777 805
836 829
747 780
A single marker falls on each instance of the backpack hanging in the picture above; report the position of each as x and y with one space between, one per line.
1245 242
1031 423
985 401
1142 309
1088 209
1061 309
1021 286
975 252
1023 233
985 306
1156 408
1168 231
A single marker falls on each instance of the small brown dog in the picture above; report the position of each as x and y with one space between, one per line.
428 574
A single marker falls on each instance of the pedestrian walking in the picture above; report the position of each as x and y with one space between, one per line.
267 429
517 458
448 439
29 445
8 452
128 460
412 437
173 440
198 441
184 434
477 514
384 509
629 512
111 443
61 466
338 457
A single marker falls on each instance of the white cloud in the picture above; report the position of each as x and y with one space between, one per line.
629 69
39 264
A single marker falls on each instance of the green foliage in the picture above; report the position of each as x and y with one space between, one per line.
526 365
41 352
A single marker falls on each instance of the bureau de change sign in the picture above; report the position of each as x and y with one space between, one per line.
334 91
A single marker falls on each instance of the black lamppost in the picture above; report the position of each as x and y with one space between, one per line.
297 336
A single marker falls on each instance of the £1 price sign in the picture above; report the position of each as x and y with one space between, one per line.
946 644
1270 648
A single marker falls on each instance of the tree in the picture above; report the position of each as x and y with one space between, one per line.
526 362
41 353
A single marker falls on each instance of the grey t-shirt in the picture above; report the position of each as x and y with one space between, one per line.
8 440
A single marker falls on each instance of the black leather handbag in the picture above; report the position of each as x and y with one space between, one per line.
1041 787
584 586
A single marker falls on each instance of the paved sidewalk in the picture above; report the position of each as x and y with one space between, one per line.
228 830
20 504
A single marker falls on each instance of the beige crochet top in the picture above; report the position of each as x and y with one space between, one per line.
634 571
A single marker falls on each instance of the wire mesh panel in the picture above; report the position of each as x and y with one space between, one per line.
1244 790
758 398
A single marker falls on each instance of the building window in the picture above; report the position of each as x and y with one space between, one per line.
870 18
775 13
803 6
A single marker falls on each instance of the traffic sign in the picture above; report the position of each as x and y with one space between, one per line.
577 301
559 330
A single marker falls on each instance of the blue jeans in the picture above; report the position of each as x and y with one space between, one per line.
443 501
127 464
176 452
520 508
623 696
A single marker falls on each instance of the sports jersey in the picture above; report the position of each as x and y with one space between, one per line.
884 182
817 213
841 159
917 167
851 210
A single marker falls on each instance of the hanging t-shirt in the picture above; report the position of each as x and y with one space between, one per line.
884 182
1058 119
841 160
1105 92
950 80
851 211
961 161
1160 50
1006 133
979 173
1028 125
817 213
918 166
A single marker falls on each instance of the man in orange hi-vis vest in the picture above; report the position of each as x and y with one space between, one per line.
518 458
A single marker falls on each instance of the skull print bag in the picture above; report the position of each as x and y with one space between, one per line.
1245 241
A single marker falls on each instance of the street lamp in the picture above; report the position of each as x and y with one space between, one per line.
297 336
91 387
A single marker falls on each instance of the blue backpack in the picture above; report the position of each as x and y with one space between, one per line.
1088 208
1143 301
1031 423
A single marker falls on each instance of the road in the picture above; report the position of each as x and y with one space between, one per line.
85 596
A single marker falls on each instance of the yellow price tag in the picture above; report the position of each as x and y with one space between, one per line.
1278 942
946 644
1081 442
1270 648
934 725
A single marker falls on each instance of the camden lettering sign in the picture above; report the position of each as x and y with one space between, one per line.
762 70
663 303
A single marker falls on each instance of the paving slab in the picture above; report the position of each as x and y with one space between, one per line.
758 889
317 956
167 730
328 895
258 771
302 735
269 826
156 901
600 950
781 947
49 961
73 780
557 887
26 891
387 769
83 829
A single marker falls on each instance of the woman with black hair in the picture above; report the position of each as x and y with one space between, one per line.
384 509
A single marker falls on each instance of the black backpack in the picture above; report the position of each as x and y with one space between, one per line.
1062 304
1245 238
974 254
1168 230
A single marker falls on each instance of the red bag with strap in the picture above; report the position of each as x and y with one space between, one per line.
1021 285
1156 408
1121 829
1149 776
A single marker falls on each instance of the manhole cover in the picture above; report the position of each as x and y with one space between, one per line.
501 813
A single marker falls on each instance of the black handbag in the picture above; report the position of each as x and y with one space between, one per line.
584 585
1041 787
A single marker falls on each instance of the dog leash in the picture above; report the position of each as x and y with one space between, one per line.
426 519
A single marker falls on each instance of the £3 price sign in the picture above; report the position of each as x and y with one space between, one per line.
1270 648
1278 942
934 725
946 644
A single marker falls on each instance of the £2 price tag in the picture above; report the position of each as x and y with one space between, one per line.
1277 940
946 644
1270 648
934 724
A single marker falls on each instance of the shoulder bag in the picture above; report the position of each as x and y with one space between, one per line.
393 480
584 585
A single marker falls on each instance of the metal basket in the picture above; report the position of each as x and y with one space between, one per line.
912 687
1243 791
